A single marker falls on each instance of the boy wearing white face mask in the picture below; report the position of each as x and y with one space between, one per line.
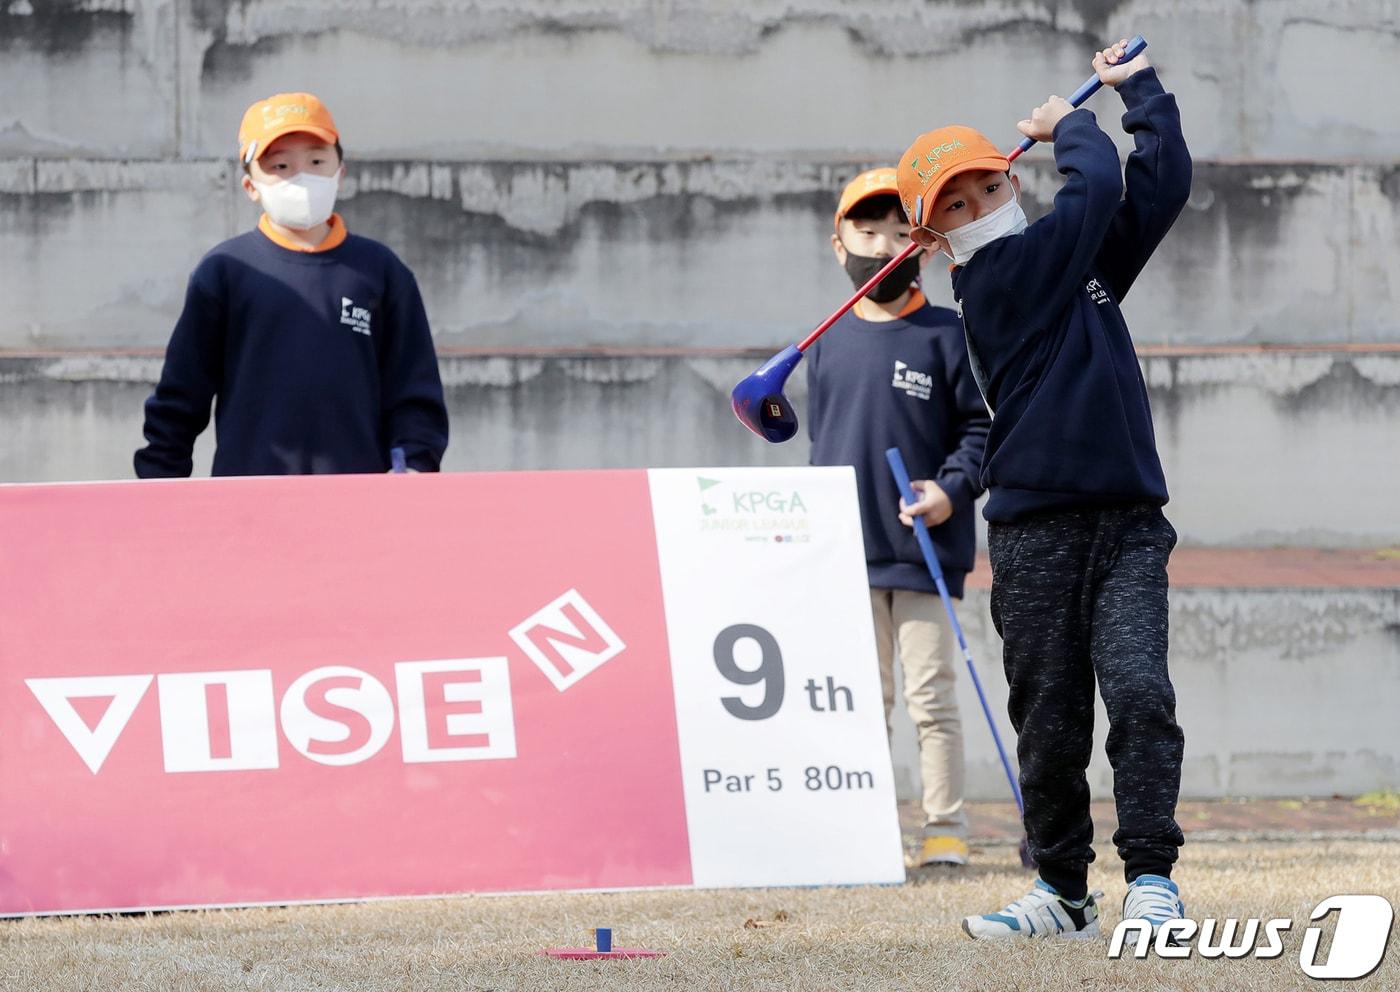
893 373
1076 535
314 341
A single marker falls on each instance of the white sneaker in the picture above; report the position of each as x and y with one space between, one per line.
1040 913
1154 899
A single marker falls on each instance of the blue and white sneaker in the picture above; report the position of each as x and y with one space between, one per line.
1154 899
1040 913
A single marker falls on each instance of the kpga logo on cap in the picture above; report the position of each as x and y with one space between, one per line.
283 113
937 156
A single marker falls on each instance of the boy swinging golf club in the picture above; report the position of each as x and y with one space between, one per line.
1077 539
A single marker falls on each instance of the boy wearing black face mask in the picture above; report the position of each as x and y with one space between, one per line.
894 372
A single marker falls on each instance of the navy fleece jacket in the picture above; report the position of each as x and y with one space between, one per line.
903 383
321 362
1072 426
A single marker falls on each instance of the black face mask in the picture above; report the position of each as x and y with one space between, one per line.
860 269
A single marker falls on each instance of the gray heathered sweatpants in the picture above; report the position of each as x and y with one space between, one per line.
1079 595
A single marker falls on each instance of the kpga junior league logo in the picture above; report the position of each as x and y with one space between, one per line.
1359 940
779 515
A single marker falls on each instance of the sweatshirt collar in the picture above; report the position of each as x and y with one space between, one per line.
334 238
916 300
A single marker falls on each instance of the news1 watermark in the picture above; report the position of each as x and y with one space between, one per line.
1360 938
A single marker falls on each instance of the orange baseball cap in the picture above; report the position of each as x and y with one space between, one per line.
867 184
267 120
938 156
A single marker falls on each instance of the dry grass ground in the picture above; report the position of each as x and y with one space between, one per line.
877 938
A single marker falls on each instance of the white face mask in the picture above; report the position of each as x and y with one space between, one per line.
300 203
966 241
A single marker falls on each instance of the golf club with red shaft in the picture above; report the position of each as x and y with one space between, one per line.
758 399
921 534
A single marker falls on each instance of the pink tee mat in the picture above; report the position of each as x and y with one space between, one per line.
602 949
588 954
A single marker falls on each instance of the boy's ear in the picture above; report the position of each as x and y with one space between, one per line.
1016 183
249 188
839 248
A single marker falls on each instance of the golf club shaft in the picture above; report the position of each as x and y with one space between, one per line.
921 534
1091 86
874 280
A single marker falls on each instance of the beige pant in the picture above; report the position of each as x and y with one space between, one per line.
915 625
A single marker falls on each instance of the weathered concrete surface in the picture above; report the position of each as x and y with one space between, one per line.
97 253
1280 692
617 78
647 254
89 77
661 172
1260 449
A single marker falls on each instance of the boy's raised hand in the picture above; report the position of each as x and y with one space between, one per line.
1110 66
1041 125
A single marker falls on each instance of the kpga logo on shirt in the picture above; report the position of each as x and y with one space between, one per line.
1096 292
353 317
917 384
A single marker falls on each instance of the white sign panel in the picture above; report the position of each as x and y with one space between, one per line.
784 757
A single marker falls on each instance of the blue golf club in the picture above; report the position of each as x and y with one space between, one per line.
1136 47
921 534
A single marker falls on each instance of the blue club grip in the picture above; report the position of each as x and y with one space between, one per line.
1136 47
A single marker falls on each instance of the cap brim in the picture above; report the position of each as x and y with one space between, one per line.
987 163
325 134
891 189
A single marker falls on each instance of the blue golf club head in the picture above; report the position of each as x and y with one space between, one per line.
759 402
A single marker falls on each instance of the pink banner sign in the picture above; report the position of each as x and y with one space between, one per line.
243 691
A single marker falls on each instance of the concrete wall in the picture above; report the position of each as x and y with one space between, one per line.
661 172
701 253
592 78
1280 692
1262 449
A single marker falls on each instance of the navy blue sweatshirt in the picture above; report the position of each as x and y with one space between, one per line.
902 383
1071 425
320 361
